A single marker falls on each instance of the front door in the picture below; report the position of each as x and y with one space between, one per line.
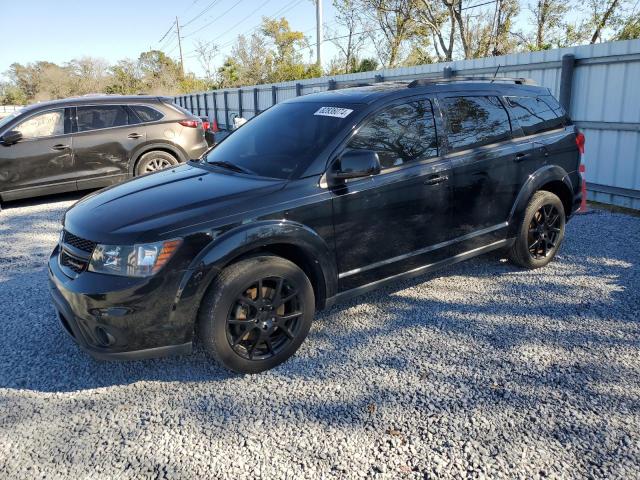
394 221
106 136
42 161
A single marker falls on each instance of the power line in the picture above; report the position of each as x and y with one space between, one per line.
168 32
217 18
199 15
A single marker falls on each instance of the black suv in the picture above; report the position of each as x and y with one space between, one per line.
93 141
317 199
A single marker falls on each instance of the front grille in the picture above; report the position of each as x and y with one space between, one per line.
77 242
74 264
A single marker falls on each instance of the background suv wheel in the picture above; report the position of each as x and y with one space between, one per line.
153 161
257 313
541 231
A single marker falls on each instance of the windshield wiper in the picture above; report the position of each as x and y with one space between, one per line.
230 166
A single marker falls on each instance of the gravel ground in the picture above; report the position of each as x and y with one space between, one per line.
479 371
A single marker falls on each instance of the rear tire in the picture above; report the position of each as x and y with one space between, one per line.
256 314
541 231
154 161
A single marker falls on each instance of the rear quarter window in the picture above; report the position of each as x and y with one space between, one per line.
536 114
146 114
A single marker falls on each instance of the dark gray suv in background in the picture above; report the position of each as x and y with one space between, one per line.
93 141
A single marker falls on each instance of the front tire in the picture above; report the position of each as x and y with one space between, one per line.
154 161
256 314
541 231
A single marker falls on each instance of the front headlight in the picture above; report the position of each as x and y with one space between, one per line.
133 261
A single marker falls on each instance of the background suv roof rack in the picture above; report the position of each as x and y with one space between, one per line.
429 81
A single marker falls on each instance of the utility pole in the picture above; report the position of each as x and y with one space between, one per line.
180 48
319 31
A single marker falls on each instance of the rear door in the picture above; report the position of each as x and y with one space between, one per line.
104 139
485 156
394 221
42 162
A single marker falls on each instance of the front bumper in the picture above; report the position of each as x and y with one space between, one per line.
118 318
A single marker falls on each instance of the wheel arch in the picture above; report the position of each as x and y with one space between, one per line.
551 178
157 146
290 240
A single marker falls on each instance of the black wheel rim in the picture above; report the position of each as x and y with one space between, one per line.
544 232
265 318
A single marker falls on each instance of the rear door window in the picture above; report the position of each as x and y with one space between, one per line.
99 117
399 134
474 121
536 114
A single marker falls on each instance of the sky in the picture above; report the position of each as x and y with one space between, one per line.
60 30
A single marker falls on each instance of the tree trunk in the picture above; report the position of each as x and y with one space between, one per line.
603 21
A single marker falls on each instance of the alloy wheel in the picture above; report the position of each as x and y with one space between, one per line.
544 231
265 318
156 164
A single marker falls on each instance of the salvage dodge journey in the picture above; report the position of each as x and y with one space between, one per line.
315 200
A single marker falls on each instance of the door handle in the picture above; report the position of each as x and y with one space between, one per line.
522 156
134 135
60 146
436 179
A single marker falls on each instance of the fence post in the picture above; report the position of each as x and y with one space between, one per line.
198 102
256 110
226 110
566 81
206 105
333 84
240 102
274 94
191 102
298 89
447 72
379 78
215 107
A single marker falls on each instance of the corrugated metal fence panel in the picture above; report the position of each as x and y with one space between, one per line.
605 103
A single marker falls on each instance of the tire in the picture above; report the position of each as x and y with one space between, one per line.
540 232
154 161
230 314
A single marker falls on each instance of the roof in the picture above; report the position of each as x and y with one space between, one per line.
373 92
93 99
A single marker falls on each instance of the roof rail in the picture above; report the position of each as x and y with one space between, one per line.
420 82
353 85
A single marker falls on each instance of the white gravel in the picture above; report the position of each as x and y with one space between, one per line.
481 370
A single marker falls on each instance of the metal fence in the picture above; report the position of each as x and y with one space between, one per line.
596 83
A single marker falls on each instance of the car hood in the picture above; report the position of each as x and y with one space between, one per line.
151 207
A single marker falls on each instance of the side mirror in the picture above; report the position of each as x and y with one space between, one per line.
356 164
11 137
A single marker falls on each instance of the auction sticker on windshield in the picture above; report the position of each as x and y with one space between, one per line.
333 112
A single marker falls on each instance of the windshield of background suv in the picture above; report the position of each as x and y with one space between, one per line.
282 141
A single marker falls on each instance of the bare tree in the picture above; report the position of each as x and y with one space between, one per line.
396 21
349 39
206 53
438 20
601 20
549 19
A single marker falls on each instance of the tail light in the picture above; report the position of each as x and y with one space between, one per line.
580 140
190 123
206 125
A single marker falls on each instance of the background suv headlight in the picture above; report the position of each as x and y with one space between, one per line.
141 260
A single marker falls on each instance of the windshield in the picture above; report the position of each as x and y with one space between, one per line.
4 121
282 141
